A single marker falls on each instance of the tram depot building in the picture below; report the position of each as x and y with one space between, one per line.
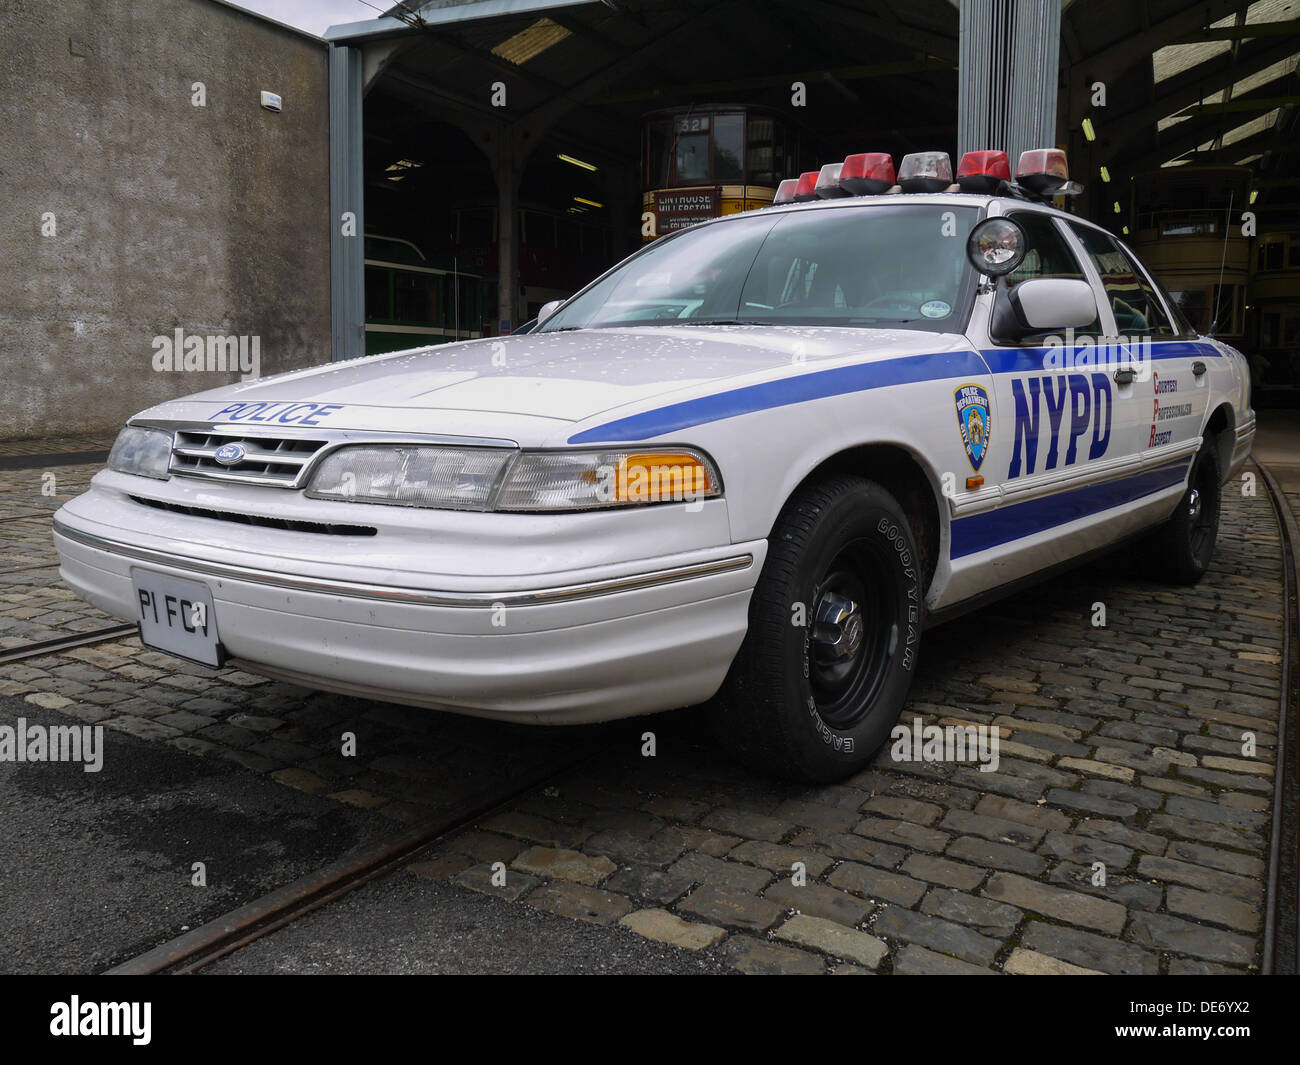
196 170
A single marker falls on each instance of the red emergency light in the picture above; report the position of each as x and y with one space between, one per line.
806 189
867 174
785 191
983 171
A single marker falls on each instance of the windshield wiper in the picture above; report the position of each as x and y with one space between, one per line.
714 321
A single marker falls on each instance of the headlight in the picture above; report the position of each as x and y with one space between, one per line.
143 452
452 478
504 479
582 480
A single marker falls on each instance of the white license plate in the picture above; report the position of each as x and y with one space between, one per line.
177 616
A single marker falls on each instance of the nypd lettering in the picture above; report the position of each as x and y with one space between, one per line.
1065 407
972 403
280 413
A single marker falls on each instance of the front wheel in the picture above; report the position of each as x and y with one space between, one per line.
834 631
1180 550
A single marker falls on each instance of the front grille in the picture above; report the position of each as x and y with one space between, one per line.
328 528
269 460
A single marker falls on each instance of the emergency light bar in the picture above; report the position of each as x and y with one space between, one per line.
1041 174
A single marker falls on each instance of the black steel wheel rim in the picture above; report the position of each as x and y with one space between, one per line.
1201 500
848 661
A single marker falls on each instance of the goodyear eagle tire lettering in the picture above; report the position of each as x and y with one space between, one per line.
814 701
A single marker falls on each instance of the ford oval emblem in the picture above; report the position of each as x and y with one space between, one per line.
230 454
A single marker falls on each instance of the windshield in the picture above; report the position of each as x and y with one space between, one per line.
897 265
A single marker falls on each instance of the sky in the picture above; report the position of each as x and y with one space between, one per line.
316 16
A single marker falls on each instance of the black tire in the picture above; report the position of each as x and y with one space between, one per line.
1180 550
814 702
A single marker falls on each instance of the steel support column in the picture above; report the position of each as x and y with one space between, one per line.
347 205
1009 53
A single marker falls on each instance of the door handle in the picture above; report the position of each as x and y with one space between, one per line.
1198 368
1125 376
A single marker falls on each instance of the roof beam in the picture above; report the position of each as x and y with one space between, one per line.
1188 135
932 43
1194 85
610 75
1288 28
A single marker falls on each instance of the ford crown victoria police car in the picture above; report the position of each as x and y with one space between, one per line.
747 467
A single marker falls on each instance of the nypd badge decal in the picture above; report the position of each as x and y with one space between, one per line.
972 403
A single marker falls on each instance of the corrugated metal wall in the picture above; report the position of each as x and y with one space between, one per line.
1009 55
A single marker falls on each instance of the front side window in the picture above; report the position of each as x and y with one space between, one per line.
891 265
1134 303
1047 255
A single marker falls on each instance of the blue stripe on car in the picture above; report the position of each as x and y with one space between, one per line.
785 392
1015 521
842 380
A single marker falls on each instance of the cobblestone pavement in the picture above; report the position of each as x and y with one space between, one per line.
1121 753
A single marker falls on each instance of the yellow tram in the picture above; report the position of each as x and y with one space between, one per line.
701 162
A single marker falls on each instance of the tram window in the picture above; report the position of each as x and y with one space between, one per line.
692 156
379 302
761 160
1194 305
728 148
657 154
1137 311
1225 302
415 298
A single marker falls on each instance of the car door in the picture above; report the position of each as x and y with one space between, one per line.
1057 427
1064 419
1170 380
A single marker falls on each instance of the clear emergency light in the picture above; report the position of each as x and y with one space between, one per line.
1043 171
785 191
925 172
828 182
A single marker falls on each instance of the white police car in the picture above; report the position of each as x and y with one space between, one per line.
751 462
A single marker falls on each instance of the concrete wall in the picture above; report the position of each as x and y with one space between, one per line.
210 219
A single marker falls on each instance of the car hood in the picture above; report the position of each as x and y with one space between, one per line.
515 387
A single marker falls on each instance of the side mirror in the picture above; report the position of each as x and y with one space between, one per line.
1048 303
547 310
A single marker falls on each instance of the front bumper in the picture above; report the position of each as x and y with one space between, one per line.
590 643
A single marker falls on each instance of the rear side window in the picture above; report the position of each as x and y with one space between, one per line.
1134 302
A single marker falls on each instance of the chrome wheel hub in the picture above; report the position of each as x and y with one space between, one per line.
1193 504
838 627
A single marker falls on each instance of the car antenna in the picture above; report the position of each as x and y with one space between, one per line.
1218 289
